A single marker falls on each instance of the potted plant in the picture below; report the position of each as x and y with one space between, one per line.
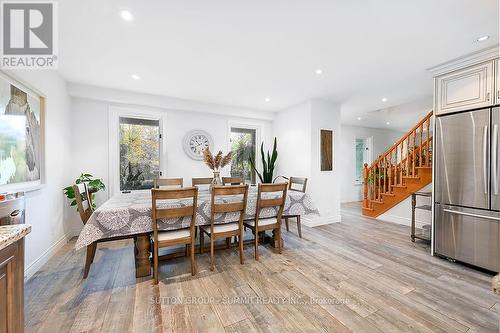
94 185
267 165
215 163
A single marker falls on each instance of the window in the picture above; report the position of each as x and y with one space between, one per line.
243 143
139 153
360 159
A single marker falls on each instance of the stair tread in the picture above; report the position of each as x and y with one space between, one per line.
399 186
389 194
411 177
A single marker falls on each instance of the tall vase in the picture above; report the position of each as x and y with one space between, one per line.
216 181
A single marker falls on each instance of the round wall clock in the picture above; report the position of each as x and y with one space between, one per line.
195 142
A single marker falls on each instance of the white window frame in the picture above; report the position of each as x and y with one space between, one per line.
258 139
115 113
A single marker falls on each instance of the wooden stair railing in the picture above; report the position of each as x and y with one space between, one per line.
398 164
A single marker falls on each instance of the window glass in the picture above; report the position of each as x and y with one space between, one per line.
360 151
243 142
139 153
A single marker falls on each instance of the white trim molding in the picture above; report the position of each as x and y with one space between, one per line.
315 221
470 59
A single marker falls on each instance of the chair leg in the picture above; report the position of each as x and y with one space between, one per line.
155 262
212 260
202 241
278 234
256 245
186 250
240 239
89 259
228 242
193 267
286 224
299 226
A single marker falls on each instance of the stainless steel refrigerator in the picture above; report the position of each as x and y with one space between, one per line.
467 199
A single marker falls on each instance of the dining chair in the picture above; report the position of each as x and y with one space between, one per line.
175 237
297 184
226 230
233 181
201 181
267 200
170 182
84 206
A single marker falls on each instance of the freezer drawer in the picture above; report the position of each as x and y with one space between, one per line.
468 235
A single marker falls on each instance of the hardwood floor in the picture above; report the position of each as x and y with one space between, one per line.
359 275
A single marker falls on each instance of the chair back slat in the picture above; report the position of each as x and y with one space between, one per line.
201 181
271 202
298 181
230 207
83 201
158 182
233 181
175 212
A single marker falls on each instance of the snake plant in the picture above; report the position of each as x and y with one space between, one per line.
267 165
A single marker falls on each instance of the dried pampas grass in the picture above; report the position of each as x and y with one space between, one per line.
218 161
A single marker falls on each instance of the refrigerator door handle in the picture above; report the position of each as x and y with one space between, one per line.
494 159
485 158
471 215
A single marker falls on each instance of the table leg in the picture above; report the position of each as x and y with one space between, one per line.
274 240
141 253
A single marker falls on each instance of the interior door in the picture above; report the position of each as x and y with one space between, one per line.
462 163
495 159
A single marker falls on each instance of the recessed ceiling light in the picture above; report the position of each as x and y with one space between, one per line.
384 99
319 71
387 123
135 77
359 118
126 15
482 38
267 99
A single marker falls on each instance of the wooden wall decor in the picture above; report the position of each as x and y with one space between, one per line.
326 152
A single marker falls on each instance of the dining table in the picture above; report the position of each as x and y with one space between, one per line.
128 214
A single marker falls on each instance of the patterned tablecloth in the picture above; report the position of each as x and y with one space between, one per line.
130 213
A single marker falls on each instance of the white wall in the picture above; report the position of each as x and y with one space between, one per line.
46 209
292 127
91 141
297 130
382 140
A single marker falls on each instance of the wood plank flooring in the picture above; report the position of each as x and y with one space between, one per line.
359 275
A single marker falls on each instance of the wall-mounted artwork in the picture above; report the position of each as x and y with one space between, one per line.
326 152
21 134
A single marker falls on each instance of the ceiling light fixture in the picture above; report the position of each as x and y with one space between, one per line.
482 38
319 71
126 15
387 123
359 118
384 99
135 77
267 99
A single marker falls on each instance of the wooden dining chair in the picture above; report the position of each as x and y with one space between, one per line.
84 206
269 223
226 230
233 181
174 237
201 181
297 184
170 182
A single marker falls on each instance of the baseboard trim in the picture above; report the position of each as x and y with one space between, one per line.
400 220
314 221
36 265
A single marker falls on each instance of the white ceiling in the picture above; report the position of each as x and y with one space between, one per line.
237 52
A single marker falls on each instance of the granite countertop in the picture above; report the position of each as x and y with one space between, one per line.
12 233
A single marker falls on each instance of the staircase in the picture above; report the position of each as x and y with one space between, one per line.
403 169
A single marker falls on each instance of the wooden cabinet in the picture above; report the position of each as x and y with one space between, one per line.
465 89
497 83
12 288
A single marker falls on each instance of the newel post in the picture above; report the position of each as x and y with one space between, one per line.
365 185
